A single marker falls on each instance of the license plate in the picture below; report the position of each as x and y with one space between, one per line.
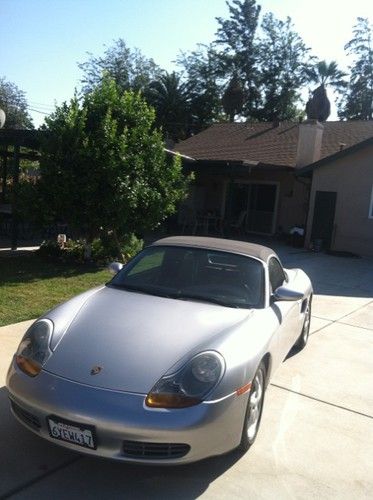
72 432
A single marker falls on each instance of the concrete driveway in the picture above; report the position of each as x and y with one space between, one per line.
316 437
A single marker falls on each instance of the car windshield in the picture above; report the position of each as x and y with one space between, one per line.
204 275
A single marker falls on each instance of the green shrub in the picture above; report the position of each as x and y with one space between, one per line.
50 250
104 249
131 246
73 251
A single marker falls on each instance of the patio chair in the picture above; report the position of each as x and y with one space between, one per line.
237 227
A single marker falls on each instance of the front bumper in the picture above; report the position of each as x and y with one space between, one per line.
207 429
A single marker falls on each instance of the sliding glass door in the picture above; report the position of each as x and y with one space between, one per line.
258 201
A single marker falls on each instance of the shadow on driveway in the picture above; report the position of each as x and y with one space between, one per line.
331 275
28 460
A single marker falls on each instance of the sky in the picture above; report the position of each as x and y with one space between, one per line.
42 41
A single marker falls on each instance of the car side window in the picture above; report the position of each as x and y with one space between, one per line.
276 274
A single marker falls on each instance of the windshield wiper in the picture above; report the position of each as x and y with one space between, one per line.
203 298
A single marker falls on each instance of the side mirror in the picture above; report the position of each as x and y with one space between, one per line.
285 293
115 267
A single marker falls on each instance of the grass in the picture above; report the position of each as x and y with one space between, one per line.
30 286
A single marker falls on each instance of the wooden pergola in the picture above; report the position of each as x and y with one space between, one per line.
11 142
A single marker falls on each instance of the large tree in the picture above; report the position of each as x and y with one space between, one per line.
130 69
103 165
170 98
283 64
239 55
357 100
264 69
13 102
204 76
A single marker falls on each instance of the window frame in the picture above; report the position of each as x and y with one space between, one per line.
285 280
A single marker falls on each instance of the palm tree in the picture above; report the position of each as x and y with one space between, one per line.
171 99
233 98
325 74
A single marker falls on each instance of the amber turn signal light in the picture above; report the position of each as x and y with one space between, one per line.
28 366
243 389
165 400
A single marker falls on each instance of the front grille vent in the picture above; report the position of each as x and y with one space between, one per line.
26 417
140 450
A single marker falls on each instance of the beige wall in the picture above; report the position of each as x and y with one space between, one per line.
352 178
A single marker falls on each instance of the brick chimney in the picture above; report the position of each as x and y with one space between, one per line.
309 142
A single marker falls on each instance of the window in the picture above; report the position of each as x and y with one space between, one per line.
276 274
370 215
196 274
148 263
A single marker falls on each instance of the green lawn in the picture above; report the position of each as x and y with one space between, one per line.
30 286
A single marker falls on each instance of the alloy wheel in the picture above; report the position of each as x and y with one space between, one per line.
255 405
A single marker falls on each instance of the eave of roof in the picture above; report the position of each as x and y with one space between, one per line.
234 166
185 158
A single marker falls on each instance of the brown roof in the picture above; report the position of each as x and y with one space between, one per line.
240 247
264 143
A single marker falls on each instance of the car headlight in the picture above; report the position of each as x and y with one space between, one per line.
34 349
190 384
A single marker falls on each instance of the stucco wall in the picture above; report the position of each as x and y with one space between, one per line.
351 177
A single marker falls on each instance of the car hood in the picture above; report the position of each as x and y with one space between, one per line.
135 338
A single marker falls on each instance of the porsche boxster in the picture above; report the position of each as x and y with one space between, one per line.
169 361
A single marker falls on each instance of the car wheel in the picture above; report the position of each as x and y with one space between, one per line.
254 409
305 333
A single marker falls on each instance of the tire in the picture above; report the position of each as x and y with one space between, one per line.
254 409
305 333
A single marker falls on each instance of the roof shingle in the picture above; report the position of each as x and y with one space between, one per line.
265 143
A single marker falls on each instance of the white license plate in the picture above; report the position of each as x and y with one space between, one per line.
72 432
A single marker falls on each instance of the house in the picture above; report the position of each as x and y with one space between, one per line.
341 199
272 173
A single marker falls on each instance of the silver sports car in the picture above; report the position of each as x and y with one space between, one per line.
169 361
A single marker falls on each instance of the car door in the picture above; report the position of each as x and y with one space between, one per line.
286 311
